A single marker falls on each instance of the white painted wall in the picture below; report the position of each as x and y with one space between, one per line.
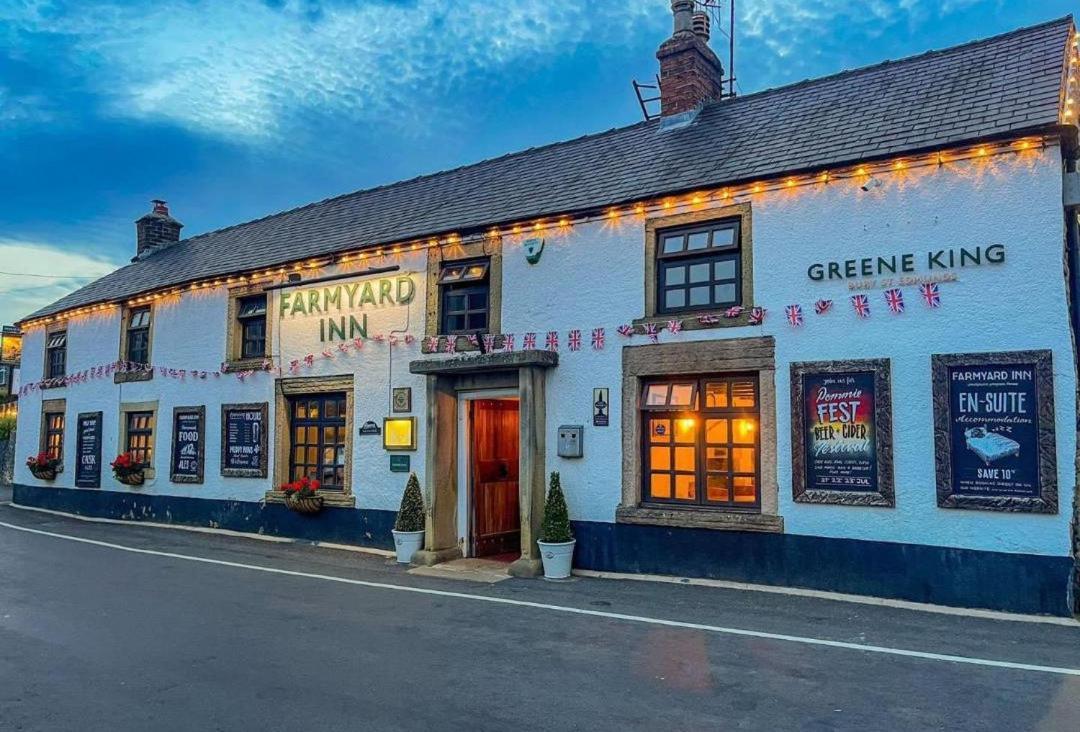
593 276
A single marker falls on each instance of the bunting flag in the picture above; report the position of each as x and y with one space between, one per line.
861 305
757 315
652 330
894 298
489 342
794 315
473 339
358 343
734 311
552 340
451 344
931 295
674 327
822 306
409 339
627 331
508 342
431 344
529 342
598 339
574 340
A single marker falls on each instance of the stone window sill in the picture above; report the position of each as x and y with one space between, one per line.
246 364
335 499
127 377
698 518
463 345
690 320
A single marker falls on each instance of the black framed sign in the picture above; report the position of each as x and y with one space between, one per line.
243 440
188 445
88 450
841 433
995 446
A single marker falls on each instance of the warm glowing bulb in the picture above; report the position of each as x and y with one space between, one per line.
516 229
899 165
861 170
824 177
790 183
639 209
612 214
537 226
564 221
982 150
756 188
667 204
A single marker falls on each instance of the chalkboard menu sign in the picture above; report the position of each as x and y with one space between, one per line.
243 440
188 441
842 432
994 430
88 450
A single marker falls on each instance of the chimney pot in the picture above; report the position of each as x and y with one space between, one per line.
160 207
156 230
701 25
690 72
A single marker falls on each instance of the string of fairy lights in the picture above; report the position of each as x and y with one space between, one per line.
1068 108
518 232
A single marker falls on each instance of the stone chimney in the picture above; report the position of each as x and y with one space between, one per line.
690 73
156 230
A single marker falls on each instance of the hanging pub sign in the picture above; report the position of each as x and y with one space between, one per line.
189 439
88 450
841 433
243 440
994 431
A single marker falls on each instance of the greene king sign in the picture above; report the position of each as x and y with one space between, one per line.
342 309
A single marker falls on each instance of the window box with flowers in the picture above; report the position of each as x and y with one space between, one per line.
42 466
303 496
127 470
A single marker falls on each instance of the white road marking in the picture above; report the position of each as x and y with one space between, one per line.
885 650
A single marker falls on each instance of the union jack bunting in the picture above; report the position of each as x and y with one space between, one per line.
574 339
392 339
489 342
894 298
734 311
930 294
327 354
409 338
598 339
508 342
529 342
379 337
343 347
674 326
794 315
822 306
358 343
552 341
431 344
653 331
757 315
309 359
626 330
861 305
708 319
473 340
451 344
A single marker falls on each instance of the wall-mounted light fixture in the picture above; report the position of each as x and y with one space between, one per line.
399 433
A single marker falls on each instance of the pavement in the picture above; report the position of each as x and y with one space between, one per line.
127 627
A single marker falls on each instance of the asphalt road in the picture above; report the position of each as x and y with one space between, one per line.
99 637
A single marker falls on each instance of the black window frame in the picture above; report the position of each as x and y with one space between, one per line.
465 287
145 435
339 422
137 338
711 255
54 447
56 355
252 326
701 415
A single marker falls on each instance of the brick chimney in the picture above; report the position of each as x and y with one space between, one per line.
156 230
690 73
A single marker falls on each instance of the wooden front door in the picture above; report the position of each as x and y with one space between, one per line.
493 473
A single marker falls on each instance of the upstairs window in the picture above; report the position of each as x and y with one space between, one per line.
464 290
56 355
140 438
137 343
251 315
699 267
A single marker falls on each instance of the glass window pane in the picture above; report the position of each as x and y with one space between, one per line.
682 395
331 408
685 459
717 487
312 436
451 274
660 430
716 396
456 302
660 458
724 237
724 269
477 300
673 243
301 410
699 296
675 276
477 321
742 460
686 430
329 435
699 272
698 240
742 393
744 430
656 395
716 431
455 323
675 299
745 489
660 485
311 457
724 294
685 487
328 456
716 459
313 409
298 455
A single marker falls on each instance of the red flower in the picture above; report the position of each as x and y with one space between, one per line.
314 485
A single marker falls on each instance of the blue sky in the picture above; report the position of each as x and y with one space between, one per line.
233 110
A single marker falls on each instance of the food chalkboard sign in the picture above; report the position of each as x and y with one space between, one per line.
188 441
994 431
842 432
243 440
88 450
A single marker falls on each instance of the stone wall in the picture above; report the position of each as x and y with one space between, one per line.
7 459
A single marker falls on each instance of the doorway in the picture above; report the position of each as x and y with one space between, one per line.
494 509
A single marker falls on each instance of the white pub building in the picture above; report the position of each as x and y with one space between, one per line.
819 336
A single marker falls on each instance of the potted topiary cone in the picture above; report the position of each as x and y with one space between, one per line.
409 527
557 542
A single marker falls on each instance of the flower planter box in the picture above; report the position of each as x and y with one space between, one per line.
43 473
308 505
135 478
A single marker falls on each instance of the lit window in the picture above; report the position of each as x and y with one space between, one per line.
140 438
679 395
54 435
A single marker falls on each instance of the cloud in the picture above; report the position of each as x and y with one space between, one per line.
17 109
62 271
252 70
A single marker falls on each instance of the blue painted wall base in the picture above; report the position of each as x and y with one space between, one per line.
1020 583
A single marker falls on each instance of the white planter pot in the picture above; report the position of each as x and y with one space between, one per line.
407 543
557 558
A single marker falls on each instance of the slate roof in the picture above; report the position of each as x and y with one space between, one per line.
1006 85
